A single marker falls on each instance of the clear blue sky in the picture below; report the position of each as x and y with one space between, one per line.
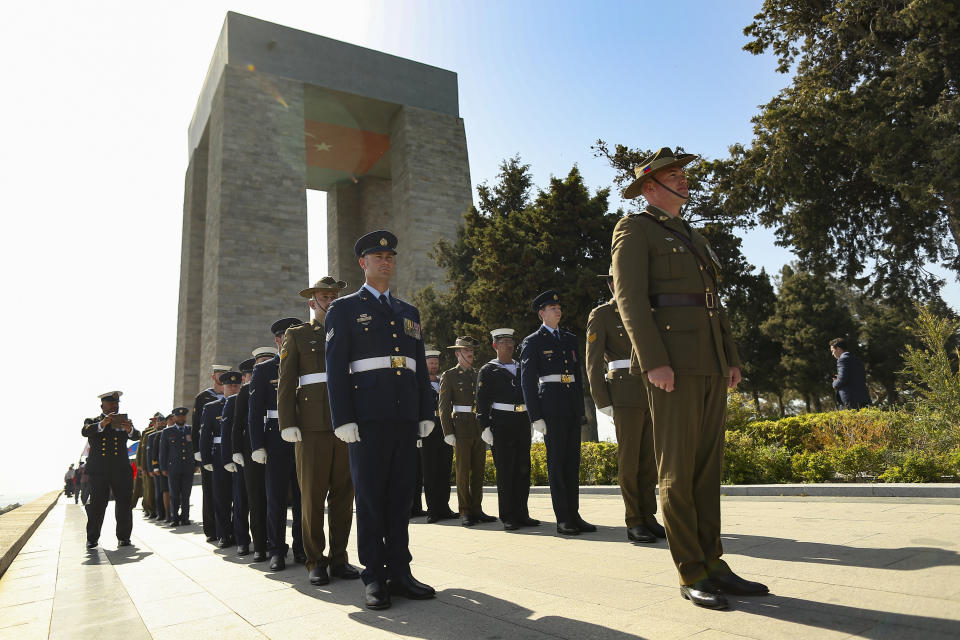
98 96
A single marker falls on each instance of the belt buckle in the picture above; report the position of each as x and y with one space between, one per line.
519 407
610 374
566 378
398 362
711 301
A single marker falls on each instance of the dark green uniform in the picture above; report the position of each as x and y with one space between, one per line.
608 365
667 299
143 472
458 389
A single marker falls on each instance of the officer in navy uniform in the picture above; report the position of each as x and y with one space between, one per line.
436 455
553 395
209 394
236 498
153 467
108 468
277 454
503 418
254 474
380 401
177 464
220 481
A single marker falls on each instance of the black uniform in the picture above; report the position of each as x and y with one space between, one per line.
238 492
437 461
508 421
159 486
254 475
108 468
220 485
176 459
206 477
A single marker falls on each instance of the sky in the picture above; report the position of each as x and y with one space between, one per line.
97 100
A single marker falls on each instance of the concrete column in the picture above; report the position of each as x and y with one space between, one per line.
353 210
431 191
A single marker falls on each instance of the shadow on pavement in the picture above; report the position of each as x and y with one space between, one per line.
126 555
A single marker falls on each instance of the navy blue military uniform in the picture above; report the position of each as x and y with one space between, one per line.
377 378
219 482
206 478
281 470
108 468
238 492
178 463
159 486
437 461
254 475
553 392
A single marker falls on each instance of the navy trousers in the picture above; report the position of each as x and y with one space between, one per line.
180 483
563 466
160 483
383 465
241 528
282 489
222 498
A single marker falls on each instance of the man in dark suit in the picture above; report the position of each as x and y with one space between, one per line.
380 401
851 379
210 394
177 465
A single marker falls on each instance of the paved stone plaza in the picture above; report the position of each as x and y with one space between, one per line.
838 568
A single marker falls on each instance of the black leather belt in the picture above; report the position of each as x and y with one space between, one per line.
707 300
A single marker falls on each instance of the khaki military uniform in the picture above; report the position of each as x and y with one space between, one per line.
323 461
667 299
144 468
608 365
458 390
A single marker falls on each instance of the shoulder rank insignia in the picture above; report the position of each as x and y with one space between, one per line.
592 336
330 335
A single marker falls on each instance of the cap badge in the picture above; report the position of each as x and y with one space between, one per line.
383 242
556 297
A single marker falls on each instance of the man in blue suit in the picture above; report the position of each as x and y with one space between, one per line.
177 464
381 402
553 394
277 454
851 379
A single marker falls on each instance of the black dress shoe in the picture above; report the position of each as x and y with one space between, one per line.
259 556
483 517
567 530
345 571
432 518
300 557
585 527
410 587
529 522
376 596
175 523
185 522
467 521
734 584
243 550
704 594
223 543
278 563
654 527
510 526
91 544
319 576
450 515
211 538
640 533
416 513
124 543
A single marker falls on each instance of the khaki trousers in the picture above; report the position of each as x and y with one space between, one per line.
470 454
688 428
636 463
149 499
323 472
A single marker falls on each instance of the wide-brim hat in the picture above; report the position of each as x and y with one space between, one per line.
465 342
326 283
662 159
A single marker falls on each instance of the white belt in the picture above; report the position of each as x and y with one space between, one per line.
383 362
618 364
502 406
462 408
566 378
216 439
272 413
312 378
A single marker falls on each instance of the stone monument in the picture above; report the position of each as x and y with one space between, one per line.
282 111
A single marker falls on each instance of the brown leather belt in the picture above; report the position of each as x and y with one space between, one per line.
707 300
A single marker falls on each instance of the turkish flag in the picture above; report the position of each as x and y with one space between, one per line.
354 151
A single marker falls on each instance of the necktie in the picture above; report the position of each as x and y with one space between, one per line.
383 300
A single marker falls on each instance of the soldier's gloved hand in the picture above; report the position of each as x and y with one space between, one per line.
208 467
450 439
259 456
540 426
196 456
419 443
231 467
238 458
291 434
487 436
349 432
607 411
426 426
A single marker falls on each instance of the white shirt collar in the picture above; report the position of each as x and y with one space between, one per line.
376 294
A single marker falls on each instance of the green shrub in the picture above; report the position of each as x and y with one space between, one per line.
598 463
919 466
489 470
538 464
812 466
857 461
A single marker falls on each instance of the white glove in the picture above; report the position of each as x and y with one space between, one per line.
238 458
291 434
419 443
607 411
349 432
196 456
426 427
450 439
208 467
540 426
259 456
231 467
487 436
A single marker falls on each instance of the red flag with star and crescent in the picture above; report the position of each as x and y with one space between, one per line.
353 151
